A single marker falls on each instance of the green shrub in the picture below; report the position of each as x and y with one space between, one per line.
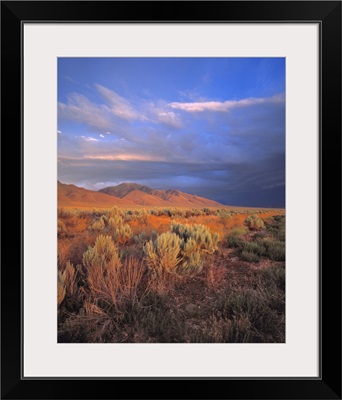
233 241
274 275
254 222
163 254
254 306
192 266
103 254
206 242
249 256
275 249
256 247
180 251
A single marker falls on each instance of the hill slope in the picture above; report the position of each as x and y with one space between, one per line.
74 196
144 195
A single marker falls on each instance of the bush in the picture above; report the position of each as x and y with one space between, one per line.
275 249
163 254
274 275
249 256
123 233
254 307
102 263
256 247
97 225
203 239
234 241
179 252
254 222
114 222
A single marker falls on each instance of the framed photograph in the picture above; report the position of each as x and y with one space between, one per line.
171 199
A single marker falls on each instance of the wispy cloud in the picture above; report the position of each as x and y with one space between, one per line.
80 109
223 106
101 136
123 157
89 139
119 106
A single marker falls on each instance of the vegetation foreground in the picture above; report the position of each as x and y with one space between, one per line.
171 275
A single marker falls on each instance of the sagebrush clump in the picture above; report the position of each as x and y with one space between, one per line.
180 251
102 262
254 222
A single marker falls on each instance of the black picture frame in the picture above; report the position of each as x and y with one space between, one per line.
328 15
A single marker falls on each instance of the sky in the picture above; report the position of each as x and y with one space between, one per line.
214 127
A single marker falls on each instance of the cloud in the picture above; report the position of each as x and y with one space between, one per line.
169 118
223 106
59 132
124 157
89 139
119 106
80 109
101 136
116 112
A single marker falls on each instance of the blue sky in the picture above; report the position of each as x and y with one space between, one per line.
214 127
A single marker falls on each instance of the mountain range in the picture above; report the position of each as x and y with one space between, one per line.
128 195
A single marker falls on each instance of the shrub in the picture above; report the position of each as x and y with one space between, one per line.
114 211
130 277
102 263
179 252
70 279
140 238
254 222
254 306
115 221
274 275
192 265
256 247
239 231
249 256
234 241
204 240
97 225
275 249
123 233
162 255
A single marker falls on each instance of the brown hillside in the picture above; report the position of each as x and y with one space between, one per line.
74 196
143 195
144 199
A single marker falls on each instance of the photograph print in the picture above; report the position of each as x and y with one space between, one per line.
171 200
